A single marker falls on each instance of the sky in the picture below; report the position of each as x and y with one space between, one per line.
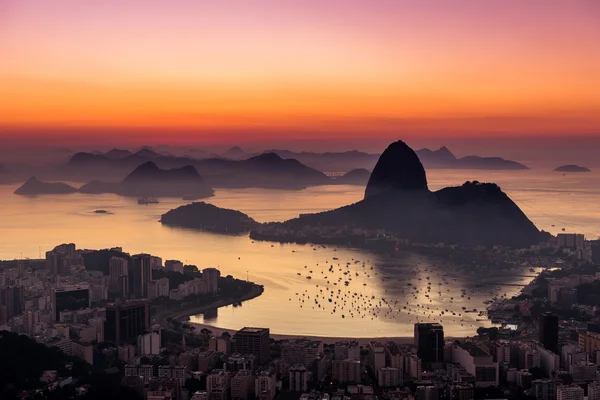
260 71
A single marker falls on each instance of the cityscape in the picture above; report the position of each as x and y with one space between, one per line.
127 316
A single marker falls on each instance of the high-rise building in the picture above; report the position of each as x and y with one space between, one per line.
174 265
140 274
569 392
253 341
70 298
389 377
571 240
125 321
594 391
13 298
210 277
54 263
299 378
265 385
429 341
217 385
346 371
548 327
242 385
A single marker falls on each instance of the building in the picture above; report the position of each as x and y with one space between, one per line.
300 352
119 276
210 277
125 321
549 361
162 287
346 351
253 341
140 274
571 240
462 391
174 265
70 298
376 355
389 377
149 344
594 391
569 392
242 385
178 373
548 327
217 385
54 262
429 341
589 341
477 362
299 378
346 371
583 371
265 385
544 389
13 298
220 344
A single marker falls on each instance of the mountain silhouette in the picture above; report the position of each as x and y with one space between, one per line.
398 201
34 187
148 180
572 168
398 168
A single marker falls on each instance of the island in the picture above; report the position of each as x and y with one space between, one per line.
398 206
208 217
102 212
572 168
35 187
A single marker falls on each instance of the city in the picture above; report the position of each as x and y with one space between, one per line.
127 316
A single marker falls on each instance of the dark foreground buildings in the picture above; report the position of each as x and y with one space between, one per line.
549 332
429 341
126 321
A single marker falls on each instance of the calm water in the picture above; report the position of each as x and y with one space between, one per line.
373 302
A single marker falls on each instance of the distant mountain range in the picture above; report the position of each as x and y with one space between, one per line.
266 170
397 199
441 158
148 180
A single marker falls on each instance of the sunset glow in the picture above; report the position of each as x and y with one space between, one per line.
306 68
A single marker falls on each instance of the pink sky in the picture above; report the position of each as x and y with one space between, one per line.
270 69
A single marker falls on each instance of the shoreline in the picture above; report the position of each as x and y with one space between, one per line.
182 315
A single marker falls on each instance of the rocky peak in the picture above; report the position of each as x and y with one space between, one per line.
398 168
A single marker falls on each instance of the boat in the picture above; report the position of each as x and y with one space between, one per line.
147 200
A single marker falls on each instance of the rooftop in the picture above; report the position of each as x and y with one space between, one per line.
473 349
253 330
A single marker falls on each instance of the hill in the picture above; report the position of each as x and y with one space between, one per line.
148 180
397 200
34 187
359 176
572 168
208 217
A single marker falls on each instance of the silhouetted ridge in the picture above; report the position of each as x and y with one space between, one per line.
209 217
397 201
33 187
572 168
398 168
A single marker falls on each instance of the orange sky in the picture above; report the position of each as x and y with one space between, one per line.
307 68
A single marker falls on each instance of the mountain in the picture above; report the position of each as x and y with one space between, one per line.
116 154
148 180
572 168
441 158
262 171
488 163
358 176
235 153
208 217
398 201
147 152
34 187
398 168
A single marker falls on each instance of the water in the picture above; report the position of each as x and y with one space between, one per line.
30 226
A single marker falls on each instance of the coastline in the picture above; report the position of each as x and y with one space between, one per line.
182 315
